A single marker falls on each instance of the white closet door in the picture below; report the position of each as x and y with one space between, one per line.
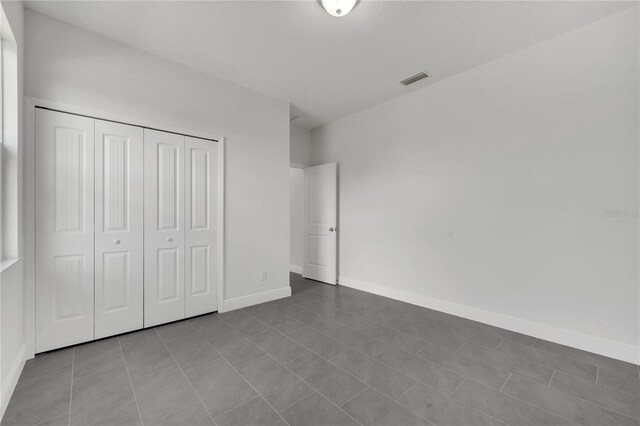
64 146
164 227
119 228
201 227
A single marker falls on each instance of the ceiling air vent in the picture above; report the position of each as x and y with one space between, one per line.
410 80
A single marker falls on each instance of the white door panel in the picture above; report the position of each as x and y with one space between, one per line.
320 257
201 227
64 146
119 228
164 248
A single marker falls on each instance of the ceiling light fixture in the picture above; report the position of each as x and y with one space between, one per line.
338 8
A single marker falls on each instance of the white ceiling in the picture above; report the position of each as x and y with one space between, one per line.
328 67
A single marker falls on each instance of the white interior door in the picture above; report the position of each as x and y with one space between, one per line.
118 228
163 227
64 177
201 226
320 220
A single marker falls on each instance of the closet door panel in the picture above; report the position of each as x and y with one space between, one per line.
119 228
201 233
164 249
64 182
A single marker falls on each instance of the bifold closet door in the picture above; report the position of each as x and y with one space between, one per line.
201 233
118 228
64 240
164 227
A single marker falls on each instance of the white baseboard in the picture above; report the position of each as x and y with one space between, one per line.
12 379
254 299
562 336
296 269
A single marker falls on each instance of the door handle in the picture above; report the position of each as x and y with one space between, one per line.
116 241
169 239
331 229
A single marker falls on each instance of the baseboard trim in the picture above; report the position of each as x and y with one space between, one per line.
542 331
254 299
296 269
12 379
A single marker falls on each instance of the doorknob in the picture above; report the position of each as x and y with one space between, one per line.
331 229
116 241
169 239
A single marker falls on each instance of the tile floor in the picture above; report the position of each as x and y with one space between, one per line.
325 356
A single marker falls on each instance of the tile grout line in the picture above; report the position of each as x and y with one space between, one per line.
185 377
505 382
551 378
356 394
126 367
408 389
456 388
241 376
304 381
73 364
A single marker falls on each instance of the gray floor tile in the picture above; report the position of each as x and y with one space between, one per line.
161 391
314 320
193 415
288 308
319 343
314 409
281 322
432 335
476 336
237 349
621 402
549 359
104 398
219 386
510 363
393 338
278 345
175 330
422 370
588 357
191 350
47 363
374 373
504 407
212 328
490 329
343 317
253 413
468 367
62 420
441 409
357 340
370 407
619 381
563 404
276 384
39 399
331 381
97 356
144 351
247 325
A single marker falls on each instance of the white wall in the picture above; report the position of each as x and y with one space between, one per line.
296 219
486 194
12 313
300 148
75 67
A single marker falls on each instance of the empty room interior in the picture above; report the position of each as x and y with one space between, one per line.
320 212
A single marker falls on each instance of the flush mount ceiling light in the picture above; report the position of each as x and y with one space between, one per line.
338 8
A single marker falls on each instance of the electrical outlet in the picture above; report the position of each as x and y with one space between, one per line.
263 276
